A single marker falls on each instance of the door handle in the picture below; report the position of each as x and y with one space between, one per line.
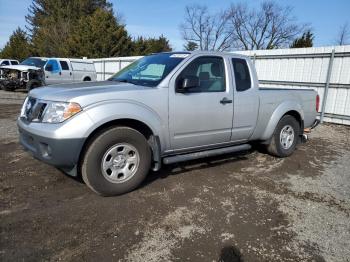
225 100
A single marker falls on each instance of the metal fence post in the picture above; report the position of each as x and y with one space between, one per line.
104 69
328 79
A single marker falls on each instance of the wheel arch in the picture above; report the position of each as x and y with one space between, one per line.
86 78
288 108
298 117
138 125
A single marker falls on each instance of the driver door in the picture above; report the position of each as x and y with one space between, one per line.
201 115
53 74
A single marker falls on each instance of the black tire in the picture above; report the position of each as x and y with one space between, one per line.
6 88
87 79
91 164
31 84
276 147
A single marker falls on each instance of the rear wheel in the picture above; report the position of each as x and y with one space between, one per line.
116 161
285 137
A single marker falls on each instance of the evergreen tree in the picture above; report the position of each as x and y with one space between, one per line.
75 28
306 40
190 46
51 22
144 46
18 46
139 47
99 35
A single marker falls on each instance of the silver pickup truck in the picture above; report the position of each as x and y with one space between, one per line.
163 108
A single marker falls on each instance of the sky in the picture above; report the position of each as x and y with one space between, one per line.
152 18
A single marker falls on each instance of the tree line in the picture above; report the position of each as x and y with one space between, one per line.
77 28
90 28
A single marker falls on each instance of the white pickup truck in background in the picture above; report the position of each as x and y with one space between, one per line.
39 71
66 70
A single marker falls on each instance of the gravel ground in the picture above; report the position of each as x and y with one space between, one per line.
240 207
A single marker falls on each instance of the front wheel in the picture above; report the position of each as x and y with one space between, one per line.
6 87
116 161
31 84
285 137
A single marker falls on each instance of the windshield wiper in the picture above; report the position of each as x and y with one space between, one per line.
122 80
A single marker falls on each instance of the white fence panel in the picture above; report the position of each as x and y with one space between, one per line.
308 68
106 67
287 68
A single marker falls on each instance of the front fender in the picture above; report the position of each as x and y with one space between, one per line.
278 113
107 111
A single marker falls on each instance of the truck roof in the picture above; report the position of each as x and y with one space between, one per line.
231 54
81 60
39 57
63 58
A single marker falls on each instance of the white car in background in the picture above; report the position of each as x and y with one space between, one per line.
40 71
6 62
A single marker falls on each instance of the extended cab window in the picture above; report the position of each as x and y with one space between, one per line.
14 62
242 76
64 65
210 73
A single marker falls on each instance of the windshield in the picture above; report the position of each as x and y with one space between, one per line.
149 70
38 62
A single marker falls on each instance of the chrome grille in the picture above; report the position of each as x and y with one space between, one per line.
33 110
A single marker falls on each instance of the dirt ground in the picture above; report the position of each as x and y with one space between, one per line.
243 207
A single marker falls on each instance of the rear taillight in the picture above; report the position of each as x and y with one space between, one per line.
317 103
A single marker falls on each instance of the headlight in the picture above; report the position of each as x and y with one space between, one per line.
57 112
23 109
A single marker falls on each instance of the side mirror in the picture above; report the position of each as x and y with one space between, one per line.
48 67
187 82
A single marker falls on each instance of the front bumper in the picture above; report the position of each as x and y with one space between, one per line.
12 83
61 153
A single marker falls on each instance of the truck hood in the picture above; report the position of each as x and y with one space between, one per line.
86 93
21 67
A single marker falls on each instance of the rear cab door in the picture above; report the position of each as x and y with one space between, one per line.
201 116
246 98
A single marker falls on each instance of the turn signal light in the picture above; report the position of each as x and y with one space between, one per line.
71 110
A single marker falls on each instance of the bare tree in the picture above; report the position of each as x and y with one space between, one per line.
343 35
239 27
271 26
209 31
